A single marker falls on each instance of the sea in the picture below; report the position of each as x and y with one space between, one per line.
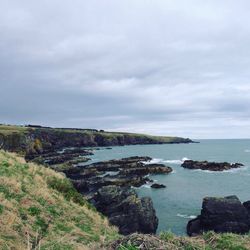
181 200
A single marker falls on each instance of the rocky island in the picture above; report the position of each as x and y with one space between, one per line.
212 166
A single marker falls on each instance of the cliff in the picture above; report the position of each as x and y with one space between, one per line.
38 139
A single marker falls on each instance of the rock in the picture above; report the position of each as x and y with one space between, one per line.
147 169
221 215
129 172
156 185
126 210
212 166
247 206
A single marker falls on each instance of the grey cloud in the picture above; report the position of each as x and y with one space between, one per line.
161 67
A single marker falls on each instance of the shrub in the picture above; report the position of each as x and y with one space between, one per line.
65 187
34 211
1 209
167 236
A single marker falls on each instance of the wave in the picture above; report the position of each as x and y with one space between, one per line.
176 161
186 216
153 161
247 150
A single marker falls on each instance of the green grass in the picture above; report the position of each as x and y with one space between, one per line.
38 203
10 129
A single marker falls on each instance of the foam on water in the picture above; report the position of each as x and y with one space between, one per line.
153 161
176 161
186 216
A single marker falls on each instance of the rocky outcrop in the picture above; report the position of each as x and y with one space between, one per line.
128 172
221 215
157 186
61 160
108 187
125 210
212 166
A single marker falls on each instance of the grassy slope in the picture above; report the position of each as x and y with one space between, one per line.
38 203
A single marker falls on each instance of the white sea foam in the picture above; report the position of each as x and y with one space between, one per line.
186 216
155 160
176 161
247 150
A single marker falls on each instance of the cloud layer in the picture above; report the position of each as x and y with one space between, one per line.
160 67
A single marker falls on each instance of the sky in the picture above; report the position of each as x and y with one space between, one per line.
161 67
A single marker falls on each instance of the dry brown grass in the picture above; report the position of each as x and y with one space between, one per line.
31 210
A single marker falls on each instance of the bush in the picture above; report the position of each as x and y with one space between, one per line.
1 209
34 211
167 236
66 188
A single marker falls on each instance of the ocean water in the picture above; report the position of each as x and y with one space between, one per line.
182 199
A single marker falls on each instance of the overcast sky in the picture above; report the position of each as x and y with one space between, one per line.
167 67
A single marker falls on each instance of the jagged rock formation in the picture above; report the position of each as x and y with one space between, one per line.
125 210
212 166
128 172
221 215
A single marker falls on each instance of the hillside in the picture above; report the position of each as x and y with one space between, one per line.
36 139
39 207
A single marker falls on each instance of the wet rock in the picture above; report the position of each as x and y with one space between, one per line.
212 166
221 215
156 185
126 210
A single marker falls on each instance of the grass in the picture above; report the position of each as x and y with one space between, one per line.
40 207
207 241
10 129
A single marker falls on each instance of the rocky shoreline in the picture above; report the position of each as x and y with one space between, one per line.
108 185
